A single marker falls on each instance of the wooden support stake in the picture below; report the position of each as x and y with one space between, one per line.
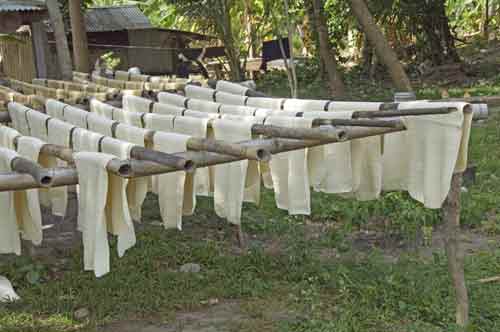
454 250
240 236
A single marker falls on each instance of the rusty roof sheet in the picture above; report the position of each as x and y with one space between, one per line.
100 19
21 5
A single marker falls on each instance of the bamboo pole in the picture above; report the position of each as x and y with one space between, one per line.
42 177
136 168
11 181
122 168
296 133
163 159
396 113
358 123
492 101
218 146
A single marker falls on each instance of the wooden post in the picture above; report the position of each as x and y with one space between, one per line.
41 48
454 250
79 36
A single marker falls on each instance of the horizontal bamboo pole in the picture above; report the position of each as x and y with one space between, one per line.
122 168
396 113
492 101
166 161
218 146
64 176
12 181
358 123
295 133
68 176
163 159
222 147
42 176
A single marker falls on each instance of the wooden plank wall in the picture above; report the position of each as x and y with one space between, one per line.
18 58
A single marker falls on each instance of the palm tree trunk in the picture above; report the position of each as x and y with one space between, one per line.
79 35
384 52
326 53
63 55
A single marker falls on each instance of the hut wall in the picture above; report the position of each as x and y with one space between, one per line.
18 58
153 61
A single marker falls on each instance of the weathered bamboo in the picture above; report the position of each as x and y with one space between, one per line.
492 101
295 133
42 176
169 161
68 176
413 112
58 151
222 147
218 146
166 161
64 176
11 181
359 123
122 168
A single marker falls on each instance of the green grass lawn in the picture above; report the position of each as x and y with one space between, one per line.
297 274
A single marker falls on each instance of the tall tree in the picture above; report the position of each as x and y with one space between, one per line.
382 48
439 43
63 55
79 35
290 67
326 52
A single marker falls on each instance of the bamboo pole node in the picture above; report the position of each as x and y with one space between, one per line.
43 177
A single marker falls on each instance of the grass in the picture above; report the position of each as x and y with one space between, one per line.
285 281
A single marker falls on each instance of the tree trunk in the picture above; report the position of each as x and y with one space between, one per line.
79 35
454 251
384 52
291 65
63 55
438 44
326 53
250 29
366 55
226 34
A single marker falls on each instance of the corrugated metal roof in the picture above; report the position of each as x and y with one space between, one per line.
21 5
118 18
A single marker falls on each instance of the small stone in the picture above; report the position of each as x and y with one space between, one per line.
213 301
190 268
81 313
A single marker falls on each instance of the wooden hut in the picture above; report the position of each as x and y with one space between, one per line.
128 33
23 51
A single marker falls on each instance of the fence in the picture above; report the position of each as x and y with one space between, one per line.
17 57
